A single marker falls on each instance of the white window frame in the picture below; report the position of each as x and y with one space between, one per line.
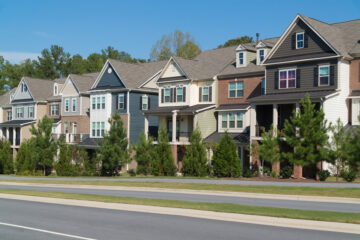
20 114
93 103
287 78
55 89
66 127
9 115
227 114
303 40
236 89
263 50
182 95
103 102
145 97
93 129
98 102
54 109
67 108
167 95
72 104
202 94
328 76
74 128
121 102
222 120
243 58
33 110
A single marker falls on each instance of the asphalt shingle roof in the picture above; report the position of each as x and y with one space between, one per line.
181 109
291 96
40 89
85 81
239 138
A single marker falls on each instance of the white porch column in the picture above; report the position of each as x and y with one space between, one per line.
252 121
14 136
174 115
297 107
275 117
7 133
146 126
1 133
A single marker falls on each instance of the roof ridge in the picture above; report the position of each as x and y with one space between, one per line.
358 19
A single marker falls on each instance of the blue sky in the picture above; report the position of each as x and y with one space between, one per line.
84 27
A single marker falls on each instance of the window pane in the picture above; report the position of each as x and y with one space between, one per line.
291 83
205 91
239 120
232 93
240 85
291 74
167 92
282 83
224 120
283 75
324 80
232 86
324 71
300 36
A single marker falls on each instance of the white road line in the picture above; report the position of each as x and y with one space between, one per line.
45 231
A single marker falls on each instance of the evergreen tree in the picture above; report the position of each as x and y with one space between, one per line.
43 146
236 41
24 162
226 162
163 163
195 160
64 166
113 151
306 133
353 151
269 149
144 154
6 158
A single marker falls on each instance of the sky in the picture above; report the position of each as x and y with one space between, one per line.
87 26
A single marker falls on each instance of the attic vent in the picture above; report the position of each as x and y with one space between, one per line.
109 70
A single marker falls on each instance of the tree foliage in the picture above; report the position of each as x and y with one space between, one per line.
194 162
24 161
144 155
226 162
64 165
236 41
6 158
175 44
113 152
269 149
353 151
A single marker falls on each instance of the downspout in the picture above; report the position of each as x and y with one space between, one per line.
128 126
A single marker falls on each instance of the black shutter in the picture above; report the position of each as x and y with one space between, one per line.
276 79
297 78
210 94
175 94
306 40
184 94
171 95
125 100
332 75
316 76
200 94
162 96
116 102
140 105
149 102
293 41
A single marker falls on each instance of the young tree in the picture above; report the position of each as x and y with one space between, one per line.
24 161
6 158
113 151
226 162
195 161
236 41
306 133
163 162
144 155
43 146
269 149
354 151
64 166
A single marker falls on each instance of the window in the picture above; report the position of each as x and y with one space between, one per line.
287 78
324 75
31 112
299 40
54 109
93 101
98 129
66 126
103 102
9 115
261 55
23 87
19 112
102 128
241 58
74 130
224 120
55 89
239 120
205 94
263 87
93 129
179 94
167 94
67 104
231 120
73 104
53 130
144 102
236 89
98 102
121 101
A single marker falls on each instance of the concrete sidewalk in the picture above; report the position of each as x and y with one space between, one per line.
231 217
198 192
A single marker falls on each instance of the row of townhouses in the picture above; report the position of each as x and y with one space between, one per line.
242 90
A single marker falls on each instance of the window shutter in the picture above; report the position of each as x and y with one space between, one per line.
276 79
316 76
297 78
140 105
200 94
50 110
175 98
125 100
332 75
359 73
117 102
184 94
162 96
210 94
171 95
293 41
149 102
306 40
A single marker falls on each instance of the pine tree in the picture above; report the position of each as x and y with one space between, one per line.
226 162
64 166
353 151
6 158
269 149
306 133
195 160
24 162
113 152
163 162
144 154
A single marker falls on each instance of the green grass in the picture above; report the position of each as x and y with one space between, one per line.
217 207
289 190
333 179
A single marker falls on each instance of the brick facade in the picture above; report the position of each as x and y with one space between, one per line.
83 124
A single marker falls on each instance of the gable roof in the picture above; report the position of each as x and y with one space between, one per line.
83 82
40 89
5 98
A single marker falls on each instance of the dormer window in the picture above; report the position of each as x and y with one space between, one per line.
241 58
55 89
261 55
23 87
299 40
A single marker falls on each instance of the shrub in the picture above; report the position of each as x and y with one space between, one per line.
144 154
348 175
266 171
286 172
131 172
273 174
323 175
248 173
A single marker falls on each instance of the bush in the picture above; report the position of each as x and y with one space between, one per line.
323 175
273 174
286 172
266 171
248 173
131 172
348 175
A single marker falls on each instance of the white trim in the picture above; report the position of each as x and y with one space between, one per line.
172 59
72 104
107 63
19 89
300 60
236 81
328 66
56 85
238 64
118 100
303 40
151 78
147 103
287 77
65 104
235 128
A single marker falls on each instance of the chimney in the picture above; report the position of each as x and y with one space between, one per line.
257 38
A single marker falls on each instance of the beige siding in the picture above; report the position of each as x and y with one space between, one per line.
41 111
69 89
207 122
25 132
85 104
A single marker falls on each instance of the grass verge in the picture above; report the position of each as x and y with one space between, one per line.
217 207
288 190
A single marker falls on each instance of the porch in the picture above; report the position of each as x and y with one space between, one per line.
14 131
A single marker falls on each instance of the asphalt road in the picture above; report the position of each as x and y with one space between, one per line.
93 223
319 206
187 180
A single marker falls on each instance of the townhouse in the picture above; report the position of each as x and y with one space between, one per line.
310 57
54 106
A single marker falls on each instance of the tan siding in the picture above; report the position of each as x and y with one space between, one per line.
83 124
25 132
41 111
85 104
207 122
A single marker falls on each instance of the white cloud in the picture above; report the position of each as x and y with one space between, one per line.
18 57
41 34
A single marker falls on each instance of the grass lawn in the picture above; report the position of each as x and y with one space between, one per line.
333 179
217 207
309 191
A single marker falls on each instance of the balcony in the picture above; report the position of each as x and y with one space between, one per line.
180 136
71 138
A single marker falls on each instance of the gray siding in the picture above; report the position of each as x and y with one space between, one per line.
22 95
70 112
109 79
306 77
136 116
315 46
26 111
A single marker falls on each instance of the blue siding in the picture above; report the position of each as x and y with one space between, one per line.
114 101
109 79
136 116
